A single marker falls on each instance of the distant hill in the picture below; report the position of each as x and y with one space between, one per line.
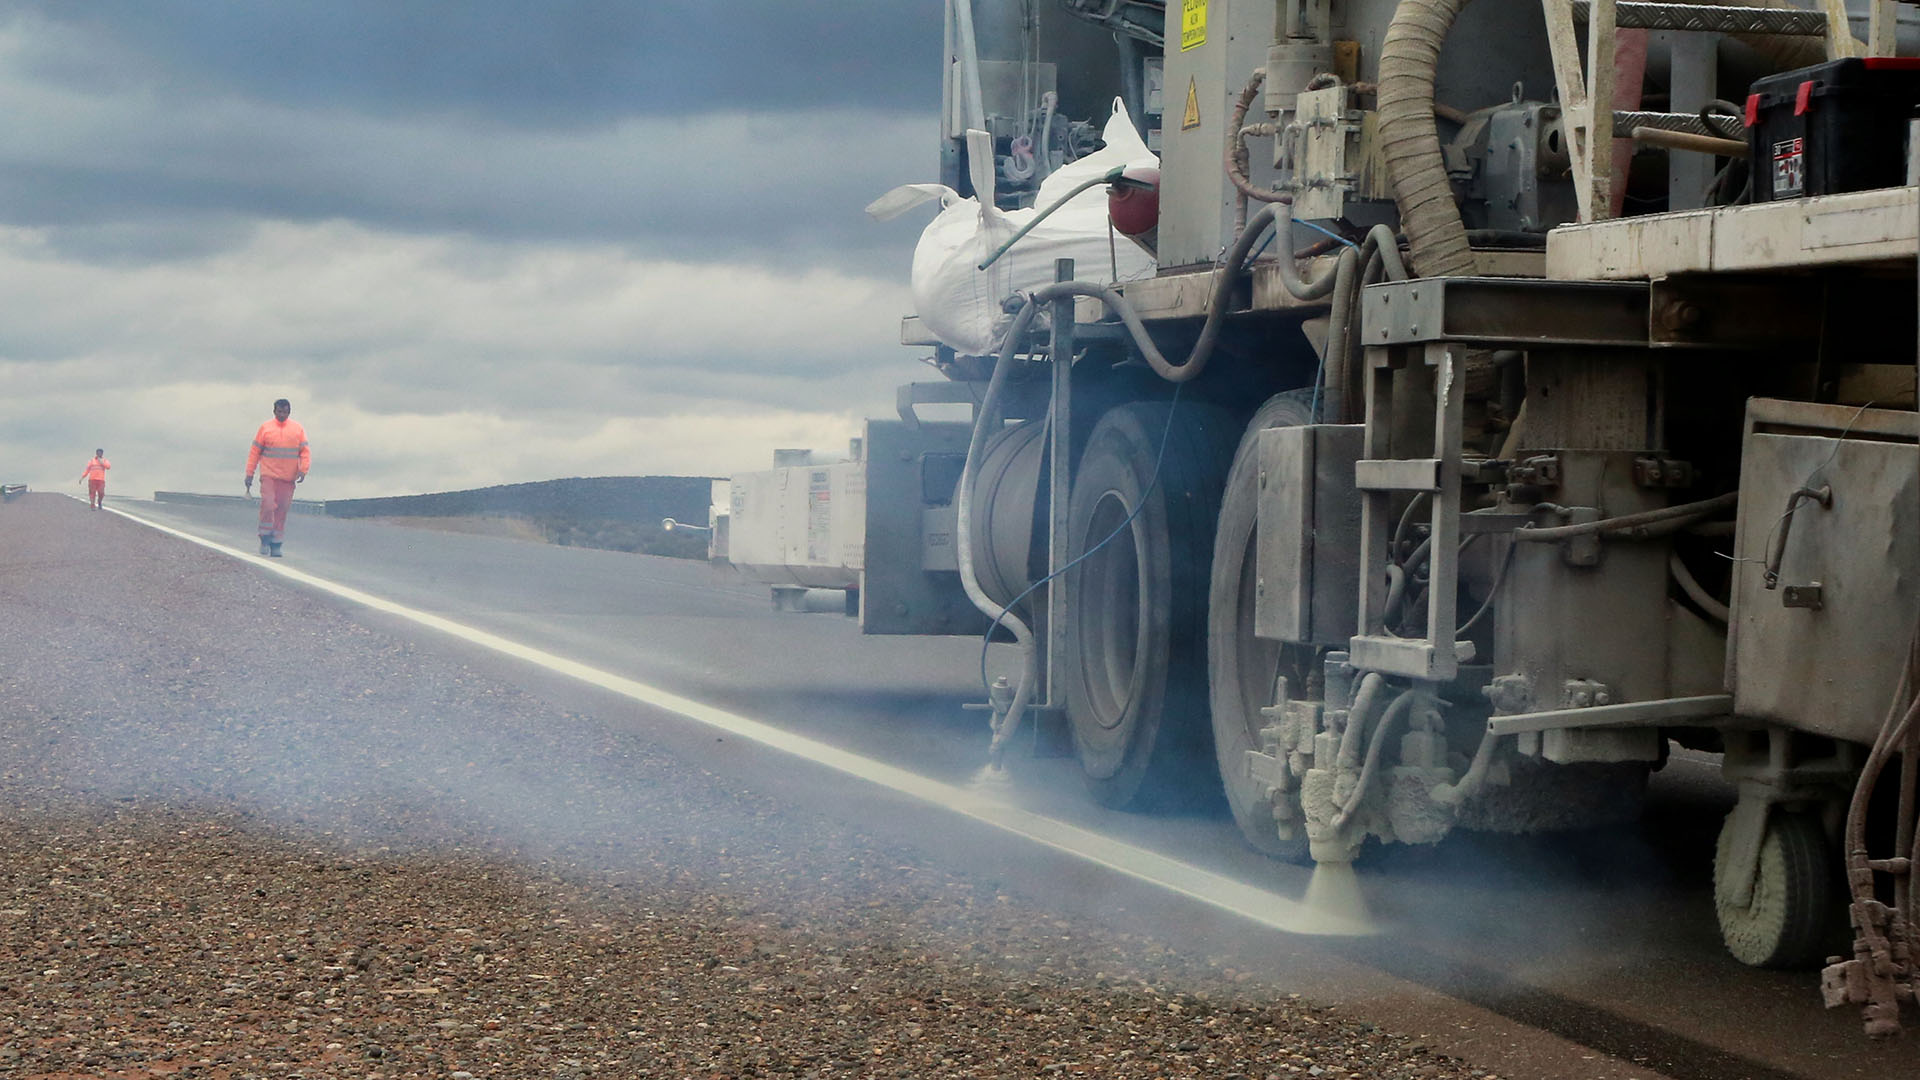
619 513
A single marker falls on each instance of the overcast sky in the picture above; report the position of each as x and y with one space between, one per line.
474 242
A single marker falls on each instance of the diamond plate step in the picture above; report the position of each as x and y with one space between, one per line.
1784 22
1725 127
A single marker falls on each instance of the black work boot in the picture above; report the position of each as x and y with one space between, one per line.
266 546
276 549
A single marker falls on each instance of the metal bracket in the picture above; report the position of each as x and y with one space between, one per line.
1625 715
940 393
1662 472
1540 471
1810 596
1727 312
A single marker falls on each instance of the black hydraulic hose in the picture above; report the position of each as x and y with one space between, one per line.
1334 374
1281 214
1381 239
1202 351
1380 250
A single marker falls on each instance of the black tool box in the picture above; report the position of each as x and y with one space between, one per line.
1833 127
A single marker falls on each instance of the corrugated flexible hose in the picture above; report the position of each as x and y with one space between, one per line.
1410 143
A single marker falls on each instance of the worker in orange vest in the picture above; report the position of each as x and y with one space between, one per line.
280 452
95 477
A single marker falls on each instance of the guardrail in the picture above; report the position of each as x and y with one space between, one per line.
188 498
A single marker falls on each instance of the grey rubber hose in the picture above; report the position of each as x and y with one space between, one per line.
1222 296
1335 372
1300 288
987 415
1677 515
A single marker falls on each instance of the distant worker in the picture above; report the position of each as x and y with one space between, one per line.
280 451
95 477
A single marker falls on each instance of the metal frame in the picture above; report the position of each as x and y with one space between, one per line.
1514 312
1428 321
1438 656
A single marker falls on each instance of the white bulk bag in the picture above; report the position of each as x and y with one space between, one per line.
961 304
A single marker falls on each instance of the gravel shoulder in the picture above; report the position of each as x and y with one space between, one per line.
244 835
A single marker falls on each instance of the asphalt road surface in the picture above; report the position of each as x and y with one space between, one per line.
1602 941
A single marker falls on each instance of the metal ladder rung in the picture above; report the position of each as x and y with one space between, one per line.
1397 474
1779 22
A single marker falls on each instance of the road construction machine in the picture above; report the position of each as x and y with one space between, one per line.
1400 416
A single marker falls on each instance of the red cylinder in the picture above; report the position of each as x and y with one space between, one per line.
1133 202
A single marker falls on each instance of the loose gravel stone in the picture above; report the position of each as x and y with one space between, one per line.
244 835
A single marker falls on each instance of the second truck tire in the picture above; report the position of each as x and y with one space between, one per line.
1241 666
1136 665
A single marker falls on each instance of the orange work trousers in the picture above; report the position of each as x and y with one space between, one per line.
276 496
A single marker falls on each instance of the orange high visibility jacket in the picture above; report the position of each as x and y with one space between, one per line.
280 450
96 469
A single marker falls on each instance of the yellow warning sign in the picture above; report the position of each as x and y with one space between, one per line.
1191 119
1193 24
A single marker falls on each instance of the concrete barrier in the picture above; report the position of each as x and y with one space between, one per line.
641 500
188 498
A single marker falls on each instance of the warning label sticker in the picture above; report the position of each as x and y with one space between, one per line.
1789 167
1191 119
1193 24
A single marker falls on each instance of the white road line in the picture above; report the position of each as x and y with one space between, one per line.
1249 902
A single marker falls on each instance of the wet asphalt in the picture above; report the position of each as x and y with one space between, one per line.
1596 944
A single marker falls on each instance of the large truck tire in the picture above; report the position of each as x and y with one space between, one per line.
1241 667
1135 663
1793 917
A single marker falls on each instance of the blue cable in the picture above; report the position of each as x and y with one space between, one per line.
1263 245
1328 232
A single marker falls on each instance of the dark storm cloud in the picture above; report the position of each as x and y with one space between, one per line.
752 131
566 230
757 190
557 63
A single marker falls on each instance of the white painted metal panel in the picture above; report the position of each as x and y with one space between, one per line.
1826 230
803 525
